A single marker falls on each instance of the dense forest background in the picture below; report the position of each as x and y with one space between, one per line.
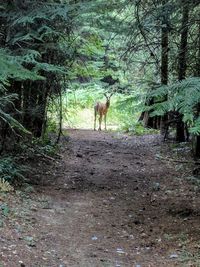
58 57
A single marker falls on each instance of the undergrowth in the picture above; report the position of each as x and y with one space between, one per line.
78 111
10 170
13 168
189 259
137 129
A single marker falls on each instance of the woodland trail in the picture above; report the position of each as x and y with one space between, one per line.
110 201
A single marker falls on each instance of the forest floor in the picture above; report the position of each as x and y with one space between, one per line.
110 200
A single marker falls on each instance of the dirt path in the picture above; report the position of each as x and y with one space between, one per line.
110 201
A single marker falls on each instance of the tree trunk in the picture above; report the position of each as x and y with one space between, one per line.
148 121
196 138
182 63
40 121
184 42
197 72
164 47
164 59
34 106
180 131
196 145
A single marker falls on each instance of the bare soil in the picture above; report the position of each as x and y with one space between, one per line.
111 200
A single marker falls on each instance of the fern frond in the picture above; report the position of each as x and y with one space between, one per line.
11 67
195 129
13 123
182 96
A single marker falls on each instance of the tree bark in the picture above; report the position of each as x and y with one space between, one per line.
184 42
196 138
182 63
164 48
164 58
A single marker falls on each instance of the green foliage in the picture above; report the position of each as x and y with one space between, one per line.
78 108
195 129
10 170
6 117
84 97
137 128
51 125
36 35
11 67
43 147
187 257
51 42
182 96
38 147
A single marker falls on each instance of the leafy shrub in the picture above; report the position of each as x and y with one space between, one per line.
137 128
184 97
10 170
41 146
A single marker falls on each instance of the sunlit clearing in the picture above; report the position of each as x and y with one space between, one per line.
84 119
